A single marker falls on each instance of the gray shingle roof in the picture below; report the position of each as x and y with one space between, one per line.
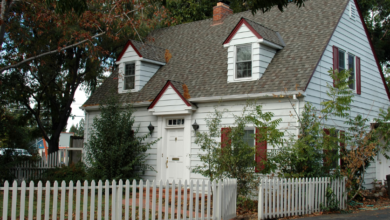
266 33
149 51
200 61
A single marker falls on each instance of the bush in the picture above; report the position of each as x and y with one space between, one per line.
73 172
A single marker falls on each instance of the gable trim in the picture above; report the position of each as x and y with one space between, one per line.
163 91
242 21
125 48
372 49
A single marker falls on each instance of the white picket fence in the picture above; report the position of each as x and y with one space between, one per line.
27 170
149 200
290 197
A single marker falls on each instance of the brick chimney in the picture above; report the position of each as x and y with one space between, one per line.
220 12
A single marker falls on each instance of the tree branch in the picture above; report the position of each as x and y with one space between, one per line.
50 52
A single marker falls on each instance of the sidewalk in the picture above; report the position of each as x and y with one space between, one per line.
364 215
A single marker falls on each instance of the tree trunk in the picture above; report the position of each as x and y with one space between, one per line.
53 144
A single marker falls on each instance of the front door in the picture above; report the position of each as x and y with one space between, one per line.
175 154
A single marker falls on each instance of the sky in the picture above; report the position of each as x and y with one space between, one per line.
80 97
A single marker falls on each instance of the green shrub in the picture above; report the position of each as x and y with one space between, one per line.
73 172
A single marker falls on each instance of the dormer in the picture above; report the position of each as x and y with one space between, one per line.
138 62
251 48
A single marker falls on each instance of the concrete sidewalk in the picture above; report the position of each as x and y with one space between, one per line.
364 215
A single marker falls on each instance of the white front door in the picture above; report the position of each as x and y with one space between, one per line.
175 166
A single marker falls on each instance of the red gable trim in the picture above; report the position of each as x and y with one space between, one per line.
242 21
369 40
372 48
163 91
125 48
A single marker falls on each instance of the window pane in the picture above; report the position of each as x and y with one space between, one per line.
341 60
351 67
249 138
129 82
244 53
244 69
130 69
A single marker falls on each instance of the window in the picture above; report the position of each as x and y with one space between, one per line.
129 76
173 122
343 60
351 67
244 61
249 138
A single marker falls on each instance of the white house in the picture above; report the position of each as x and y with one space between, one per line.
236 57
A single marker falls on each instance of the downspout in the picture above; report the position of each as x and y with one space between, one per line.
297 110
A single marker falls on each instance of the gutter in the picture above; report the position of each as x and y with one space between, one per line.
267 95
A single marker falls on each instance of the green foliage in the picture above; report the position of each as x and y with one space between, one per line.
17 129
193 10
190 10
73 172
332 203
376 14
78 130
114 150
236 159
304 156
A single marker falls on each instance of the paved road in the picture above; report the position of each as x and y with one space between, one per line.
365 215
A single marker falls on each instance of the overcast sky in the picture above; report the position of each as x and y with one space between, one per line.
80 97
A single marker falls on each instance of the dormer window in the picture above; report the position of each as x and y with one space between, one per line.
244 61
129 76
251 48
137 63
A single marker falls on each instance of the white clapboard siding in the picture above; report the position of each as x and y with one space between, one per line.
291 197
200 195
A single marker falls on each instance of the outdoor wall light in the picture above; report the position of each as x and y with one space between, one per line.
195 126
151 128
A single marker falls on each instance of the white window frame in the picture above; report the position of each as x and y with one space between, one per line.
235 63
346 62
124 76
175 126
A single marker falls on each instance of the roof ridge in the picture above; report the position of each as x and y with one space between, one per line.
259 24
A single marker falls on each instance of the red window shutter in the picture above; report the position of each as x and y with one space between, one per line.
326 139
358 77
335 61
342 149
225 140
261 152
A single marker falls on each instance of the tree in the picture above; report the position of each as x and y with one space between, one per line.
78 130
81 46
114 150
193 10
376 14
